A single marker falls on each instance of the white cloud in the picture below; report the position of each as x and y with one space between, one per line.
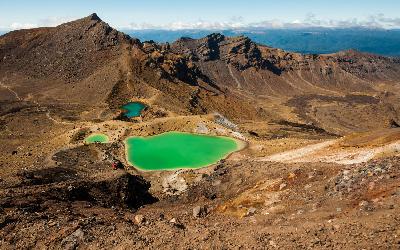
18 26
234 23
54 21
381 20
45 22
311 20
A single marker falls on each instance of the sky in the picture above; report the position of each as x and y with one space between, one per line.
203 14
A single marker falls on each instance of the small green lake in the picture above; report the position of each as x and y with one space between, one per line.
176 150
97 138
133 109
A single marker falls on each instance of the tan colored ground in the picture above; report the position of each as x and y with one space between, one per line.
321 168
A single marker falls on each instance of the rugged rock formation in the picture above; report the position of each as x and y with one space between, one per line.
58 85
320 71
88 60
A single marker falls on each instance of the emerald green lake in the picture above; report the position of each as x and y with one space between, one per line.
176 150
133 109
99 138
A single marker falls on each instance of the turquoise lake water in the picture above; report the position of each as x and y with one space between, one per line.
176 150
133 109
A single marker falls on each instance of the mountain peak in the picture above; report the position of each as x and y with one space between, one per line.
84 21
214 38
94 17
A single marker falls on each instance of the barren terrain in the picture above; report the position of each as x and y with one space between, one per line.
321 166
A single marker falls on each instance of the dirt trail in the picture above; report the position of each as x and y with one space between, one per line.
39 106
297 154
347 157
319 89
48 115
239 85
12 91
325 152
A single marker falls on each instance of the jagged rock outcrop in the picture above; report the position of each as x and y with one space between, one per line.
244 64
241 52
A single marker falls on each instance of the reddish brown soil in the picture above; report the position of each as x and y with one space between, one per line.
59 84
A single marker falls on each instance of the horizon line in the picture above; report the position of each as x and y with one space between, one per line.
375 22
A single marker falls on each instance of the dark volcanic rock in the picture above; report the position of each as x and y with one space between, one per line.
124 190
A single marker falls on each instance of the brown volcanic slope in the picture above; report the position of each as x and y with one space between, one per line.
59 84
267 71
320 88
88 63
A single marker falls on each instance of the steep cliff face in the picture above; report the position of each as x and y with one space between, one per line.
240 52
285 73
322 89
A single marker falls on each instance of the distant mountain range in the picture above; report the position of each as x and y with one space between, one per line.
310 40
307 40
